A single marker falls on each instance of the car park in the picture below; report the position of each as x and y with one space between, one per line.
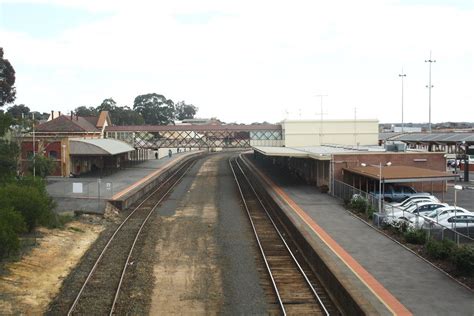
409 203
458 221
414 212
443 211
396 193
415 197
433 218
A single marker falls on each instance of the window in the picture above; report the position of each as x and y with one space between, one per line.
53 154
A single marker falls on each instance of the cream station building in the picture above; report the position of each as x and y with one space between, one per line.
300 133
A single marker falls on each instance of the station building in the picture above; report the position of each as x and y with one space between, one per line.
328 153
76 145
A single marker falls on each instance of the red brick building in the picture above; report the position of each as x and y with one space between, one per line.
75 144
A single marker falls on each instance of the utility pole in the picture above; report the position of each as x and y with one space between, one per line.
403 75
429 86
321 96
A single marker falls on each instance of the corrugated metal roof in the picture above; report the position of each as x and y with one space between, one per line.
436 137
401 173
316 152
388 135
99 146
281 151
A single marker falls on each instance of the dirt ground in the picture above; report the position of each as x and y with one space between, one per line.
187 273
29 284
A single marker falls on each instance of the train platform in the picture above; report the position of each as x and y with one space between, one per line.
384 277
91 193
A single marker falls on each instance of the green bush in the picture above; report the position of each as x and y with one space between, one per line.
31 201
359 204
463 259
415 236
370 212
11 224
43 166
440 249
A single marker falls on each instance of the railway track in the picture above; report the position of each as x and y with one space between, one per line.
101 289
295 287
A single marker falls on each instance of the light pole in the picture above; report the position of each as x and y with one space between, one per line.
321 96
388 164
402 75
429 86
456 189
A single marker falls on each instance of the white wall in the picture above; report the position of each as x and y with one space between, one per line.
345 132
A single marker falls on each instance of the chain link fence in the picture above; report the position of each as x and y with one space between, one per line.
346 192
460 233
84 189
87 195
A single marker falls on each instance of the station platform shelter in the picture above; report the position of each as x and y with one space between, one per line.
359 166
77 156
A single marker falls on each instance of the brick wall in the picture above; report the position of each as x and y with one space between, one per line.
44 148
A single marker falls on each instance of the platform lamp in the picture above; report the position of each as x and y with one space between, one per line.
388 164
456 189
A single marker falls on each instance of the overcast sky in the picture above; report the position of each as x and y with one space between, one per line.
246 61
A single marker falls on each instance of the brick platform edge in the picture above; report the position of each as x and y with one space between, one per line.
136 191
351 295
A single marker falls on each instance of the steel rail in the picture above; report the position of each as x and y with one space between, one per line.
283 240
258 239
117 292
91 272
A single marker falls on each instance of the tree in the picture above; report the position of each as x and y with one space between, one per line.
85 111
11 224
185 111
155 108
126 116
8 160
107 105
29 200
5 122
7 81
44 166
19 111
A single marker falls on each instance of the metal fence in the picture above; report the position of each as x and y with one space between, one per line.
346 192
461 234
81 188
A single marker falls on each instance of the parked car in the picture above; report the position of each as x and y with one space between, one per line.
425 208
414 212
418 197
396 193
444 212
458 221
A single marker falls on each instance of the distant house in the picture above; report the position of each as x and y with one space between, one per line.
76 144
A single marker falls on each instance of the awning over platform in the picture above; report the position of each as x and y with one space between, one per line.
323 152
281 151
98 147
399 174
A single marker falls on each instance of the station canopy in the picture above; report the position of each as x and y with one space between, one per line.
399 174
98 147
443 138
322 152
